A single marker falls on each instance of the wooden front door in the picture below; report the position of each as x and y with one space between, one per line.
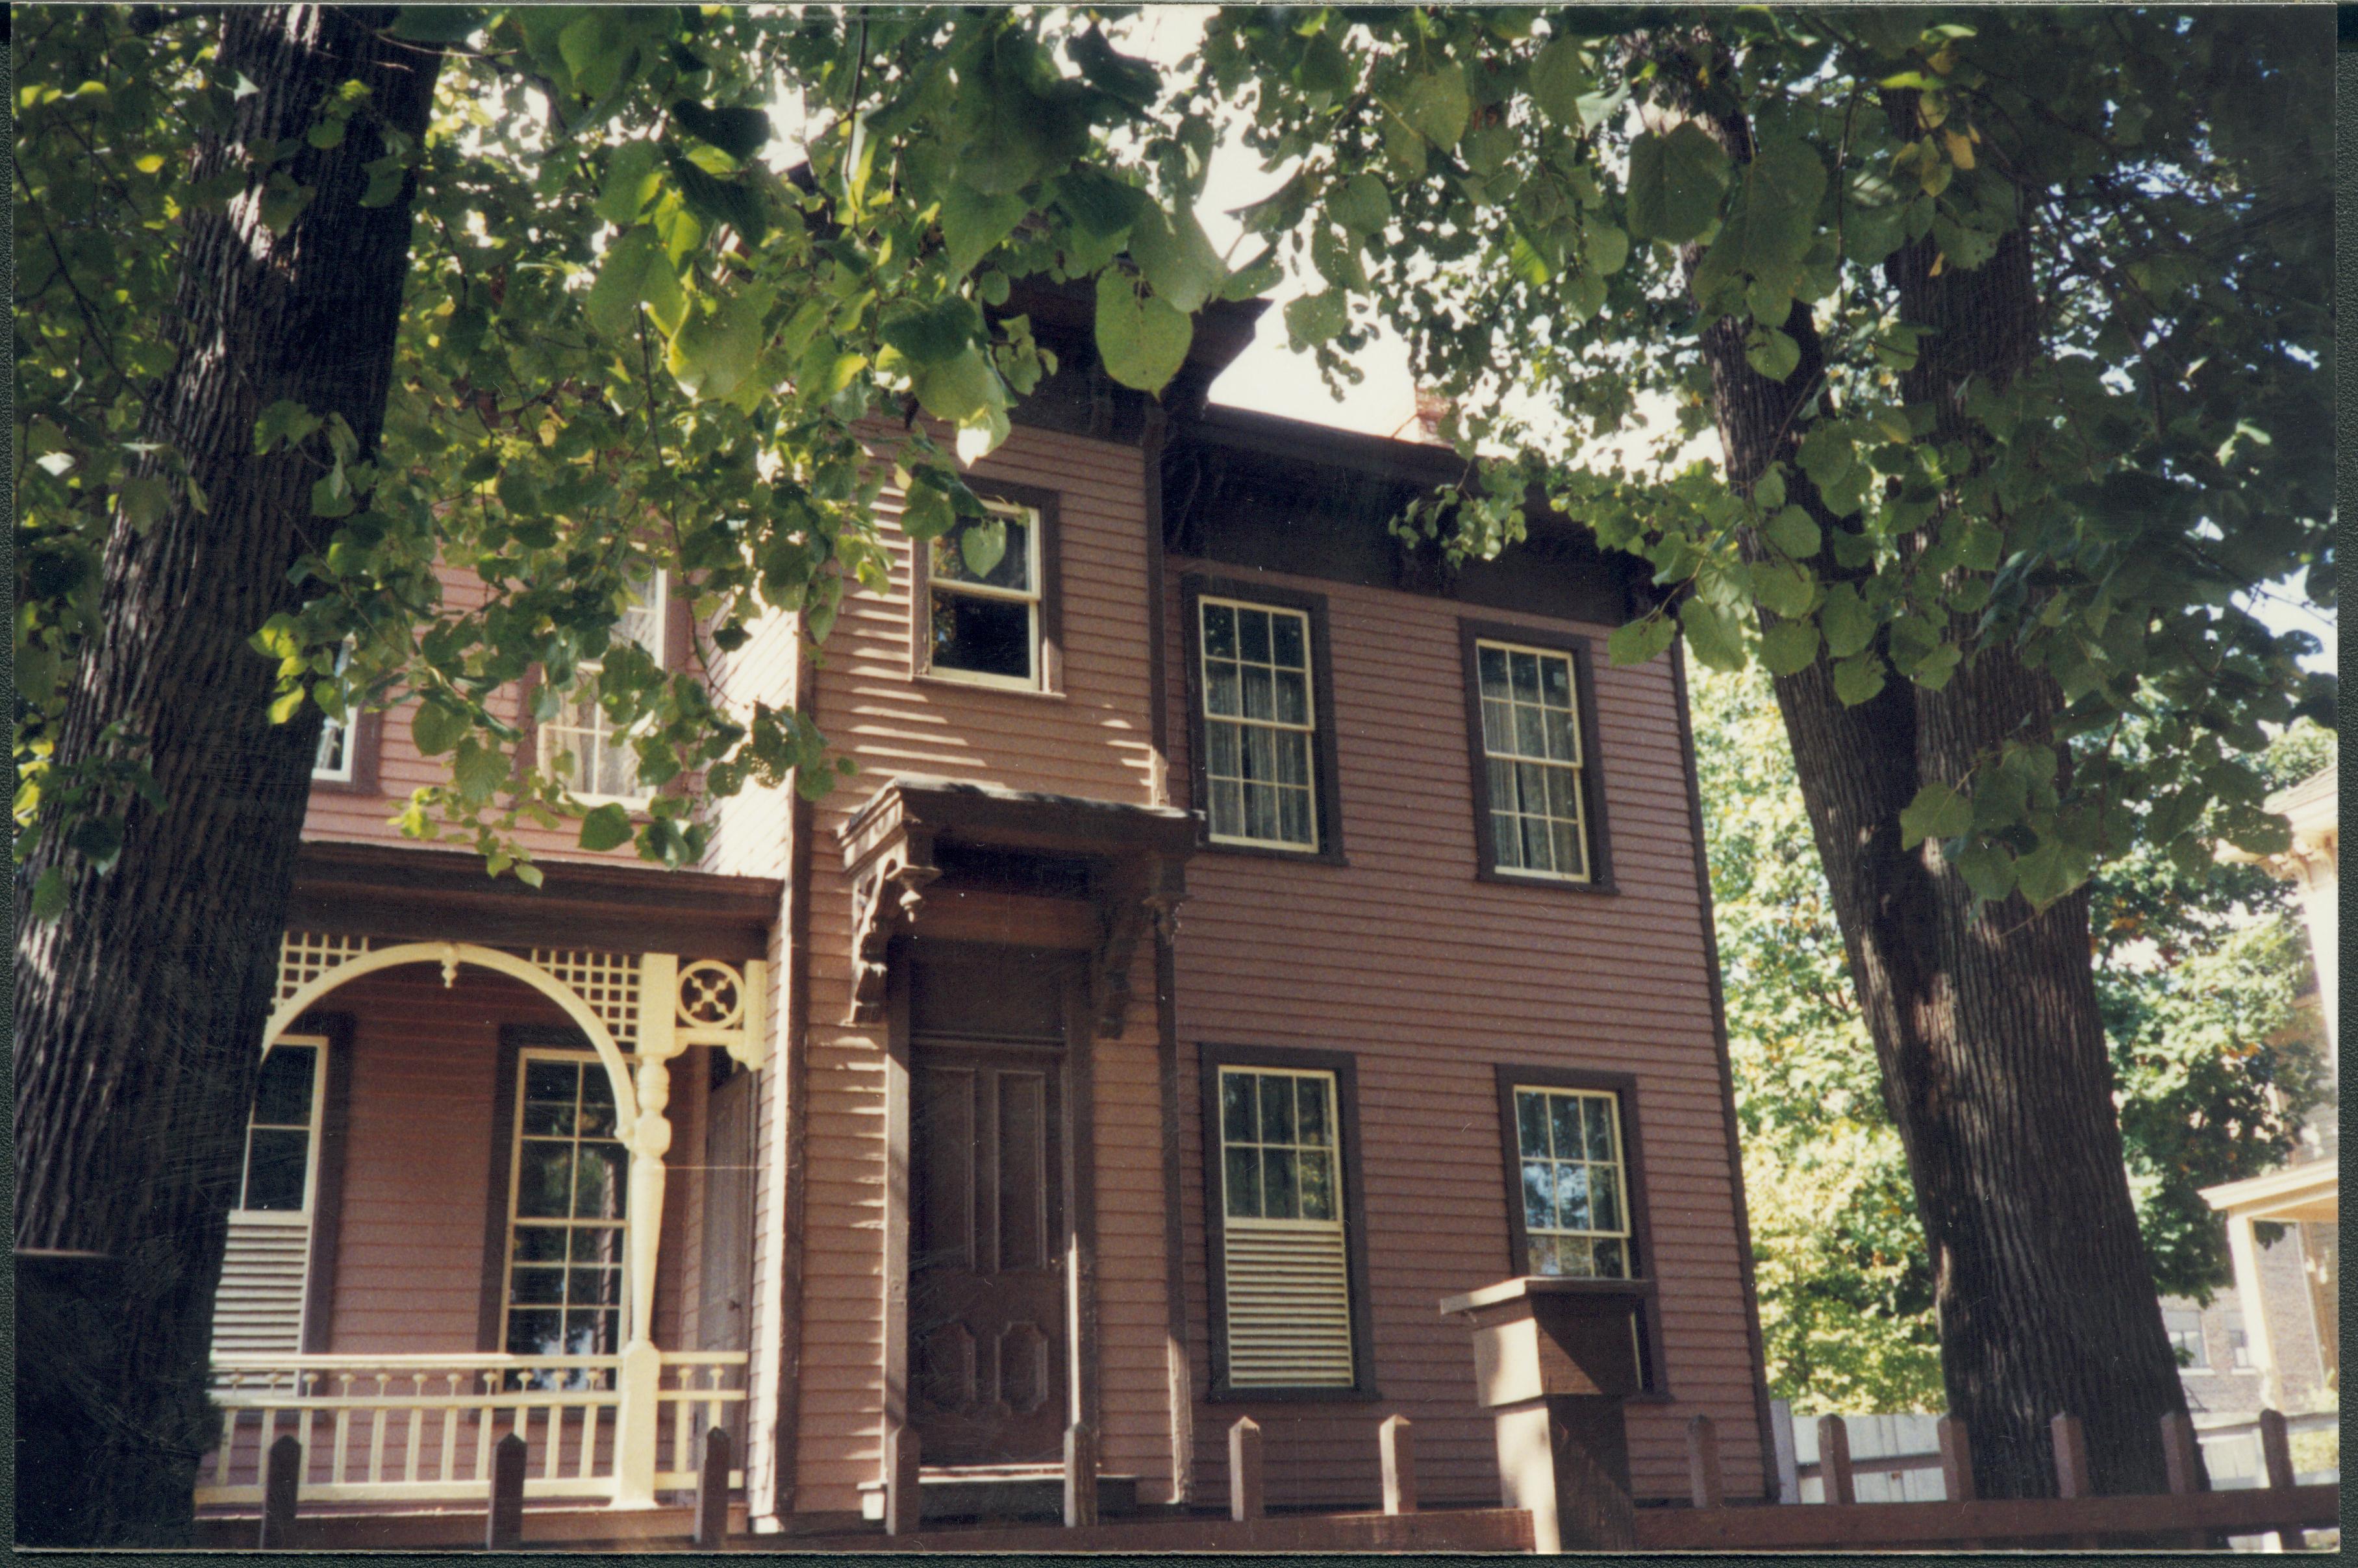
986 1309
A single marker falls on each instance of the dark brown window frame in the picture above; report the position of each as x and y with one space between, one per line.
1045 506
1623 1087
1210 1059
1487 869
1327 788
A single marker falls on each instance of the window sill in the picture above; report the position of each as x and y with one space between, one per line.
1545 884
1351 1396
930 678
1268 852
342 786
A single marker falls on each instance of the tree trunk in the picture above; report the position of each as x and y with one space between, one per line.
1984 1021
139 1009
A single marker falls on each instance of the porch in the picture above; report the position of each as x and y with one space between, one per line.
490 1190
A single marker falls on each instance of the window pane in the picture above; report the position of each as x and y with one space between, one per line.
1252 635
616 771
276 1163
1493 663
545 1180
1277 1121
1261 811
1532 1123
985 637
1293 697
1260 703
1570 861
1292 757
1013 570
548 1080
1559 793
1602 1145
1555 682
598 1244
1310 1101
1220 689
537 1287
1571 1197
1575 1257
1317 1169
1288 647
282 1095
597 1121
1497 728
1260 752
600 1287
1294 815
547 1119
1508 841
1526 669
1531 736
539 1243
1610 1261
1563 743
1219 632
1543 1258
1244 1181
1539 1196
597 1182
1531 787
1239 1110
536 1333
329 758
1538 854
1278 1196
1603 1198
1563 1111
1227 809
589 1333
1223 756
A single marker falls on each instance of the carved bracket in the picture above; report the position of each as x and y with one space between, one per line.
886 898
1131 896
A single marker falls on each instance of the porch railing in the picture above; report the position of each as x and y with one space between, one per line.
422 1428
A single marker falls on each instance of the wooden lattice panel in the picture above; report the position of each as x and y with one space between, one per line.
305 956
606 983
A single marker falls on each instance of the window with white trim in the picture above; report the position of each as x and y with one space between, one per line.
1286 1282
1574 1184
985 580
2186 1337
258 1307
333 760
568 1186
1261 723
1537 777
602 765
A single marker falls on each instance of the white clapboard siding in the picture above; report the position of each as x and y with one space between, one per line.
259 1309
1288 1301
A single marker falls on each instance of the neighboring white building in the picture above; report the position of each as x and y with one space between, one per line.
2305 1196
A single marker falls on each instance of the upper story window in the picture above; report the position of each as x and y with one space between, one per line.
604 766
1574 1185
986 591
1259 719
2186 1337
333 761
1537 815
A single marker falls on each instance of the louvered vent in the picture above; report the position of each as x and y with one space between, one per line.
1289 1304
259 1311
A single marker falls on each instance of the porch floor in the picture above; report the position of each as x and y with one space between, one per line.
375 1527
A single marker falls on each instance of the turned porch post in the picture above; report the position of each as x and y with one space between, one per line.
639 1384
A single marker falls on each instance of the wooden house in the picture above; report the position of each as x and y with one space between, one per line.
1242 933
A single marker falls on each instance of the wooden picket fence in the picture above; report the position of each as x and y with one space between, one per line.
2184 1517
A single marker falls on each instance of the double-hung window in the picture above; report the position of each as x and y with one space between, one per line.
986 591
568 1183
332 764
258 1309
602 765
1575 1181
1537 817
1260 721
1288 1281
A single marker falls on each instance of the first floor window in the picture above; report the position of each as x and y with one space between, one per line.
1287 1279
985 593
1534 771
568 1186
265 1264
1575 1184
1259 719
599 759
282 1135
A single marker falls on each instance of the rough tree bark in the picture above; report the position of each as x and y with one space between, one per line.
1984 1021
139 1010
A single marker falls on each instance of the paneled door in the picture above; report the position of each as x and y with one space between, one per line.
987 1332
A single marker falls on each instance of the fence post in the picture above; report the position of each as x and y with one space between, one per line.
1956 1459
1702 1460
1080 1475
282 1475
902 1506
1833 1460
2072 1479
1789 1464
1396 1438
2181 1458
712 1491
1244 1469
2276 1458
504 1526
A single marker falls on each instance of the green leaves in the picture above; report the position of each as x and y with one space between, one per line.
1858 679
740 133
1435 105
631 183
1675 184
1849 625
1559 74
929 335
1795 532
1772 352
1176 257
1789 647
972 222
1770 220
1141 337
1315 318
285 420
1713 633
714 352
606 828
1635 642
624 281
1937 812
439 725
1360 204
